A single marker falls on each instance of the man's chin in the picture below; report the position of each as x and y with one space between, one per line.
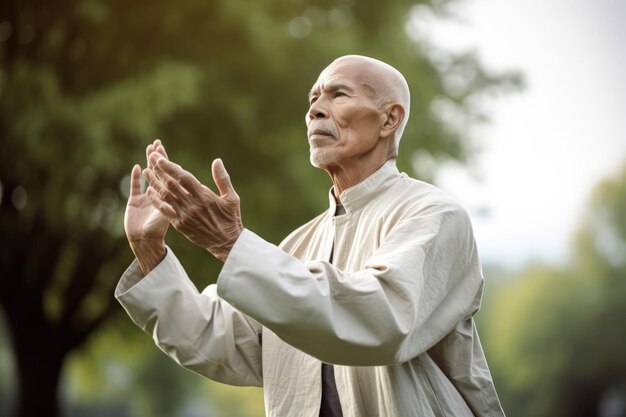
323 160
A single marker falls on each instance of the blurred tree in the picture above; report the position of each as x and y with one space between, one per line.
86 84
560 343
119 369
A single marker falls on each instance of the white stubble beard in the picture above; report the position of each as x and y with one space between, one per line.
322 158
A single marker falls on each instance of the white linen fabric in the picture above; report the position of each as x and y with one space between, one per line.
393 312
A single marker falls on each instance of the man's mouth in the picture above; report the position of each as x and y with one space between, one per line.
319 132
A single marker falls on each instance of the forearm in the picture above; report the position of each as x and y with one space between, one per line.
199 331
341 319
393 309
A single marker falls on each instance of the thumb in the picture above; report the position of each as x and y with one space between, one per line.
135 181
221 178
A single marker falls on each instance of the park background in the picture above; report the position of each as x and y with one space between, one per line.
518 110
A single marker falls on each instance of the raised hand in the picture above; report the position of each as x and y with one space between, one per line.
210 221
145 226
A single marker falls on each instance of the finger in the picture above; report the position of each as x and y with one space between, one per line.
221 178
172 195
152 147
149 151
153 158
158 147
156 182
161 149
165 168
166 209
135 181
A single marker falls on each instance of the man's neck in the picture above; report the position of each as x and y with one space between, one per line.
348 176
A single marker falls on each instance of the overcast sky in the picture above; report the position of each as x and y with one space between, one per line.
548 146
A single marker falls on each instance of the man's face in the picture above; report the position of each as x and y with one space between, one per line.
344 119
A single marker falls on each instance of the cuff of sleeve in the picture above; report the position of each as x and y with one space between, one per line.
238 250
131 277
134 275
251 260
141 295
258 270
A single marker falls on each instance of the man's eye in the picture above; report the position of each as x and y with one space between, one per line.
312 100
339 93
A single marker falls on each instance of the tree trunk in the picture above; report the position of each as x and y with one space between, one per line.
38 380
39 351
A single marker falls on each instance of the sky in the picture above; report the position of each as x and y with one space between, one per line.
546 147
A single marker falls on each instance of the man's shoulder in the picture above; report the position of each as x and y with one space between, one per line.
418 195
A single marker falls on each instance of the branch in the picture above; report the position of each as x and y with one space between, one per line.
77 332
91 258
78 336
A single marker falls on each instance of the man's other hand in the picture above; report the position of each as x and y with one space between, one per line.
145 226
211 221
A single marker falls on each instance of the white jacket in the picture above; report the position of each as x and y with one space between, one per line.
393 312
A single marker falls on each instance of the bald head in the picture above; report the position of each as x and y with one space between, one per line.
358 108
388 84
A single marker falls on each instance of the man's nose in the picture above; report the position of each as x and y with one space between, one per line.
317 111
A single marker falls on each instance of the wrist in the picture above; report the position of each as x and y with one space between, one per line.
149 253
222 251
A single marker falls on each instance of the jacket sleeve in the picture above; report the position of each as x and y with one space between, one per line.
421 281
200 331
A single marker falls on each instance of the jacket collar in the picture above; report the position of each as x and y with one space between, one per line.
362 193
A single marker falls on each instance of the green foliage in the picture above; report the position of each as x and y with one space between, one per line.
557 339
87 84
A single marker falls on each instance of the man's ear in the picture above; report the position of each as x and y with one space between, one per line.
395 116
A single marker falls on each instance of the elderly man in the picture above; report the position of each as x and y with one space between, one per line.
366 310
